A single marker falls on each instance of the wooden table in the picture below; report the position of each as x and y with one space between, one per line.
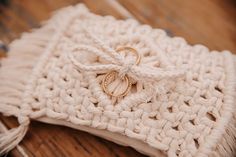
209 22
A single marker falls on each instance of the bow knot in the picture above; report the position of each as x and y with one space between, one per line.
125 69
122 66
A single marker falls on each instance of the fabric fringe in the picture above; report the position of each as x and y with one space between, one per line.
12 137
15 71
226 146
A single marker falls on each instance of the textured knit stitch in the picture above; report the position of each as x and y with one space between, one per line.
181 97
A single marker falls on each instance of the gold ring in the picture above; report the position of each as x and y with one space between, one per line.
111 76
138 57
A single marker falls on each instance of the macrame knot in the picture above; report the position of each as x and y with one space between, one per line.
125 67
24 120
11 138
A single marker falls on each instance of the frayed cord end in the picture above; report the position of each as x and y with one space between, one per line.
9 139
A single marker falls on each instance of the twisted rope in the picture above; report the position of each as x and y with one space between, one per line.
115 61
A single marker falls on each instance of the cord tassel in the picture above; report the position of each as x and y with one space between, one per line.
11 138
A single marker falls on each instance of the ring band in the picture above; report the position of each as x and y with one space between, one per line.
111 76
138 57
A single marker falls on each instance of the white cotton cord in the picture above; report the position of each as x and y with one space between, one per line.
15 72
37 43
122 66
96 51
9 95
107 49
11 138
85 67
65 86
3 128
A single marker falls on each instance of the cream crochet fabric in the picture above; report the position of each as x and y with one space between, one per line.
181 99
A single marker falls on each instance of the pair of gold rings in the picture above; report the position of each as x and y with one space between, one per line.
111 76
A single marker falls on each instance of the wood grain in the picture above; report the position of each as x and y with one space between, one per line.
208 22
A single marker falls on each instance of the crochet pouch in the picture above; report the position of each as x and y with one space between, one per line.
125 82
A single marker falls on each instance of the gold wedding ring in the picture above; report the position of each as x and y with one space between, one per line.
111 76
130 49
